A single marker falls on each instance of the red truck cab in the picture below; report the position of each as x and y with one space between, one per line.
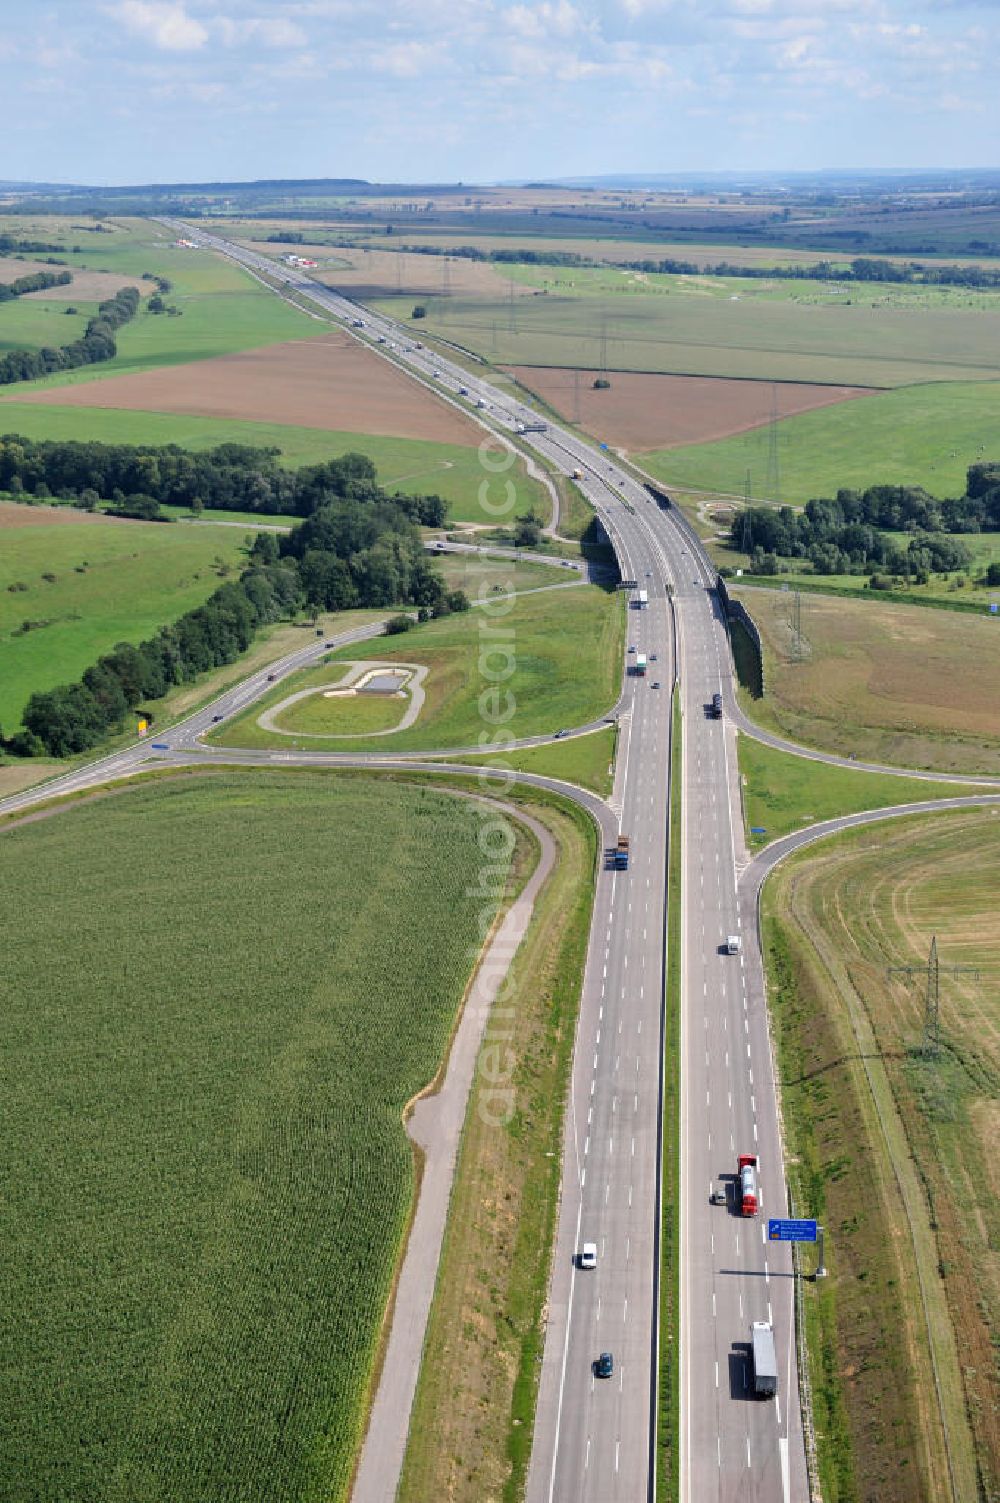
749 1204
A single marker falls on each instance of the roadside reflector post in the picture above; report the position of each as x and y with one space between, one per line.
820 1266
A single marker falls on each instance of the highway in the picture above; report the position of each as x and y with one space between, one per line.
595 1438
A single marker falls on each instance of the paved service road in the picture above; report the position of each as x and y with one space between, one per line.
595 1438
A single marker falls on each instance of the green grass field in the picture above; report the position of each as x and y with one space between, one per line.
585 760
885 682
30 324
222 308
782 792
567 649
921 435
206 1178
114 582
357 715
893 1150
407 465
691 334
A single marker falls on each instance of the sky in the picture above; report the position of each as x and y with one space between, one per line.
136 91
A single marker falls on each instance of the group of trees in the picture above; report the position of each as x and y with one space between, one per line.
36 281
856 531
231 477
348 553
97 343
860 269
12 245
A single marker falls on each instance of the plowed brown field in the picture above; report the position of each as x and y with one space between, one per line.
331 382
12 514
659 412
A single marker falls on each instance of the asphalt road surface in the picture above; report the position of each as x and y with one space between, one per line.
595 1438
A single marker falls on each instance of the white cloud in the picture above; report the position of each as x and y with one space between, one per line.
561 19
272 31
406 59
165 23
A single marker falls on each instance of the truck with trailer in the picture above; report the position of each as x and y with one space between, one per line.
749 1200
765 1361
616 856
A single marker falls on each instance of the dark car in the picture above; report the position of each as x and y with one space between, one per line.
716 706
271 677
656 683
216 719
604 1366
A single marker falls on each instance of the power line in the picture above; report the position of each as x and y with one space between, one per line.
931 1042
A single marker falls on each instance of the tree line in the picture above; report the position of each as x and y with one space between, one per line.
229 477
853 533
97 343
35 281
348 553
860 269
13 245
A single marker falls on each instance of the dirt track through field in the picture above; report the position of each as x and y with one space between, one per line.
658 412
330 382
13 514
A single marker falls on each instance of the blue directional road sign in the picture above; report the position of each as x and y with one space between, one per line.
780 1230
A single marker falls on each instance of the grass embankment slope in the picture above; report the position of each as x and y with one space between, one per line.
474 1410
783 792
898 684
112 582
566 650
917 435
894 1152
205 1212
587 760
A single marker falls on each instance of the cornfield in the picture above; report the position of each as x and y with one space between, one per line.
218 993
